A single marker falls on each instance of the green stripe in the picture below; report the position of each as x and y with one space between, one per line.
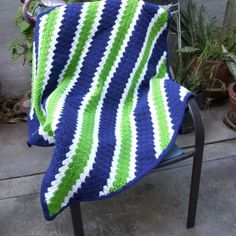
33 80
122 173
85 144
44 50
160 106
70 71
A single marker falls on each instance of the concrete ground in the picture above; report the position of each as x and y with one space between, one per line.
155 206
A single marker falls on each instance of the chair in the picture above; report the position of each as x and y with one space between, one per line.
175 155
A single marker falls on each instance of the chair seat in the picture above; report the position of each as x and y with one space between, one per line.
174 153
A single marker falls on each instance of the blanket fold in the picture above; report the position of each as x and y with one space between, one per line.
103 95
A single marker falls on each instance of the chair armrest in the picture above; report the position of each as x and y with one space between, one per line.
198 125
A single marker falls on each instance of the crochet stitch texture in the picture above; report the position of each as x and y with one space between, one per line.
103 95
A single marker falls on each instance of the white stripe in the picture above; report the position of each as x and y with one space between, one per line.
31 114
42 24
114 164
92 156
54 185
161 61
60 104
46 137
182 93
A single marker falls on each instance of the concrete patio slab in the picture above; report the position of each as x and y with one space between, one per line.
16 158
215 129
17 187
155 206
22 216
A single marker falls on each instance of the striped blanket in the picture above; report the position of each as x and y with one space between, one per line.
103 95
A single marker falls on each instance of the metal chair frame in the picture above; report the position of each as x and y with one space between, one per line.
196 153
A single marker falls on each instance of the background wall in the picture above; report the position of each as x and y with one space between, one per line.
15 78
215 7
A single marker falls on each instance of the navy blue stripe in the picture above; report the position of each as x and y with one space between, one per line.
107 139
173 100
36 41
145 135
62 51
67 125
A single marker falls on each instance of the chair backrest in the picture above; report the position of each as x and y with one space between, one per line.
174 7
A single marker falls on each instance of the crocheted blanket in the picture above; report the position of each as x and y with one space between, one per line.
103 95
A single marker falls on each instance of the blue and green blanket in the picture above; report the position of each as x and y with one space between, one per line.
103 95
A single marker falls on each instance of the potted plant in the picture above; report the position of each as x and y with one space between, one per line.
22 48
201 63
230 118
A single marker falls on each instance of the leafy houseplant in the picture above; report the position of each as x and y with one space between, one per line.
201 64
22 48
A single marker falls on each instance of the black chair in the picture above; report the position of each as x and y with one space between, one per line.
196 153
174 156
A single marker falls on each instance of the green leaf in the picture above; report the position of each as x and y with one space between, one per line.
228 54
23 26
28 56
188 50
232 68
15 54
230 64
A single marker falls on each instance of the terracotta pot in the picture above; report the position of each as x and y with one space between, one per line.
232 97
216 79
216 89
222 73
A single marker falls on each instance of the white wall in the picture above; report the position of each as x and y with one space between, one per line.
14 78
216 8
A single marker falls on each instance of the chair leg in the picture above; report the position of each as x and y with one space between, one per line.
197 163
77 219
194 190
